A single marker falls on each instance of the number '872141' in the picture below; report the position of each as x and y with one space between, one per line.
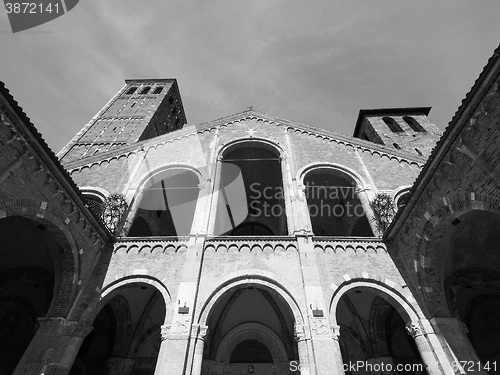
33 8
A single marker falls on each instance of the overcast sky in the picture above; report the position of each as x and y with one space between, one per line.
316 62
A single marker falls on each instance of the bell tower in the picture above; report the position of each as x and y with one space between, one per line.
404 129
142 109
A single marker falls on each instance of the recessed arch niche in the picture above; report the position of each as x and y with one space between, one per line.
251 198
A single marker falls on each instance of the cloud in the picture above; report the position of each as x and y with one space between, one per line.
318 64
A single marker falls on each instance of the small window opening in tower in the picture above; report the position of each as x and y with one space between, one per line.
413 124
133 104
145 90
158 90
396 146
392 124
419 152
131 90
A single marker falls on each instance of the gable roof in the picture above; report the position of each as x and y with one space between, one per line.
244 115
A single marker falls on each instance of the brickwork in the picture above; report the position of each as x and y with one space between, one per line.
138 137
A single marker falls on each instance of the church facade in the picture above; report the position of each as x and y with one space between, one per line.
251 244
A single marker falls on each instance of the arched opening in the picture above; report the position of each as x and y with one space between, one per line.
333 204
251 196
402 199
250 326
30 278
374 332
413 124
392 124
470 270
125 337
95 203
167 205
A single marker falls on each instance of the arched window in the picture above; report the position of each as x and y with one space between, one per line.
95 204
413 124
167 205
402 200
334 207
251 196
392 124
135 307
158 90
131 90
145 90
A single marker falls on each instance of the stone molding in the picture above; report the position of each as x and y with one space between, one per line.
251 331
370 147
336 244
150 245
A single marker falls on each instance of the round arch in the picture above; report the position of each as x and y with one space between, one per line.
280 223
333 223
236 280
112 289
251 331
408 311
358 179
444 212
70 257
95 191
154 177
242 142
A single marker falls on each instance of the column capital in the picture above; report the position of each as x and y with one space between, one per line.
300 332
165 331
335 331
414 329
202 334
65 327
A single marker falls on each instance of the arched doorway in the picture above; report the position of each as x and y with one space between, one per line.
470 271
31 275
251 198
250 330
373 333
126 333
333 203
167 204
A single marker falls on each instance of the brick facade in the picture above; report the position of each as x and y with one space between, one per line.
161 296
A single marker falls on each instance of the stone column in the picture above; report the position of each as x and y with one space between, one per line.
300 336
54 348
302 221
456 344
198 351
431 364
337 354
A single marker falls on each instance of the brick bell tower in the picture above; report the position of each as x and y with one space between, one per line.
405 129
142 109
